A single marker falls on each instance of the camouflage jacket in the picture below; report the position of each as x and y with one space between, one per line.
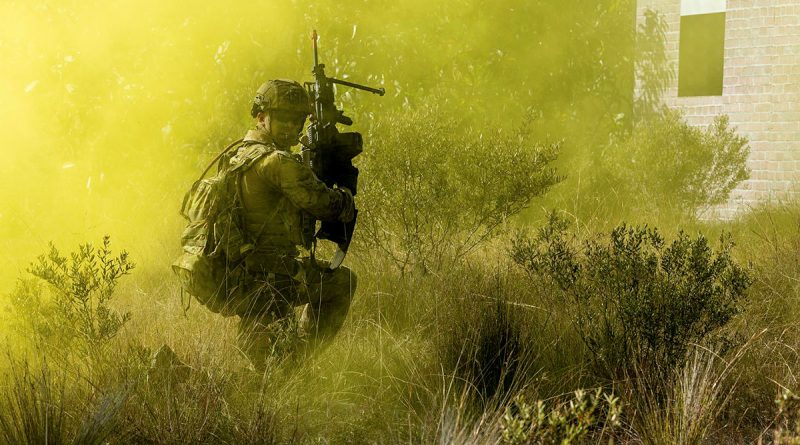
278 193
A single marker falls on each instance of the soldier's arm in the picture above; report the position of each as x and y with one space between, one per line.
305 190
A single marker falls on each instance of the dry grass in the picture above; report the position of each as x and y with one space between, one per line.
423 358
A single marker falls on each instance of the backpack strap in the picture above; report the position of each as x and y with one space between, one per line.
247 155
238 168
227 149
219 157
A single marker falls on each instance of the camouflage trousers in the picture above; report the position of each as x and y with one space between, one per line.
267 310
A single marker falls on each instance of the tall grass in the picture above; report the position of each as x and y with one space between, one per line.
453 356
33 408
699 393
46 405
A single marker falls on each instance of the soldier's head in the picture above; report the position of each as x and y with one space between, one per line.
281 108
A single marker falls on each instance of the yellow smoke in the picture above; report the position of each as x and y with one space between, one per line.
106 109
110 109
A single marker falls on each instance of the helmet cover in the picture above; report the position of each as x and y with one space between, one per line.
281 94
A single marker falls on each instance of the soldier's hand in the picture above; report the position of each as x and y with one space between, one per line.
348 205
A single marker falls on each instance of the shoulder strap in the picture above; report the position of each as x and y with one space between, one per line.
227 149
238 171
205 172
248 156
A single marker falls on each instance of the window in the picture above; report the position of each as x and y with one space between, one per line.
702 48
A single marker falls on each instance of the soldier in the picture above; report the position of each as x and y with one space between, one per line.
278 193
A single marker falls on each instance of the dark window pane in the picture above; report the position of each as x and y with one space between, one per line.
701 54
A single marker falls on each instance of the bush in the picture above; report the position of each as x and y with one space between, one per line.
587 418
638 301
434 190
787 428
665 166
70 301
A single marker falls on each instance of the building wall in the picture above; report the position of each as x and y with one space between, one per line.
761 92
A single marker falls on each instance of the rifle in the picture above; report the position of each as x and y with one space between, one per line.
330 153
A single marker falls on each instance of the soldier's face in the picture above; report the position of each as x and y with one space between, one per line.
285 128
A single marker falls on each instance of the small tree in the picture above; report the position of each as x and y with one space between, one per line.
666 166
434 190
70 300
638 301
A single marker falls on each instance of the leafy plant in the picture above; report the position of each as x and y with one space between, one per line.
586 418
665 167
72 299
638 301
436 190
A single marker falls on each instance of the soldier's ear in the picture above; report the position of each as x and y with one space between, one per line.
261 117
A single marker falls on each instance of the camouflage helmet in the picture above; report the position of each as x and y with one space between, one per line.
281 94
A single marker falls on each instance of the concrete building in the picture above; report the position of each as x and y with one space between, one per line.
741 58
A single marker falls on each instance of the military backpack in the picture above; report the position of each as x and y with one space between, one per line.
215 241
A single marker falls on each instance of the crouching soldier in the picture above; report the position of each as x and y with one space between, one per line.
247 243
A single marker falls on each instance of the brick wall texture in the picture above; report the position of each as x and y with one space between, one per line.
761 93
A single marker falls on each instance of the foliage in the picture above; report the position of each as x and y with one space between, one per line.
667 167
81 287
787 430
435 190
654 72
584 419
638 301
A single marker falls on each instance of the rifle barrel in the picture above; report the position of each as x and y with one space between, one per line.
314 38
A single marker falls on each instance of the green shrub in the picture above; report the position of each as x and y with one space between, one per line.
587 418
434 190
787 428
70 301
638 301
667 167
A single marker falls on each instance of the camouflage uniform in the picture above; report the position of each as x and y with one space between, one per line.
278 192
